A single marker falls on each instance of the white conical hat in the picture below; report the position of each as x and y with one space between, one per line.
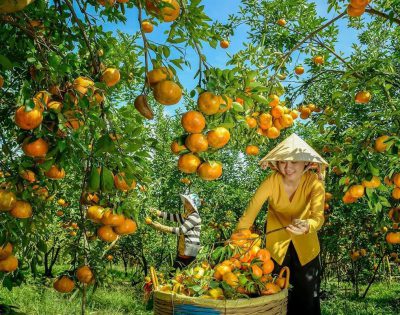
293 148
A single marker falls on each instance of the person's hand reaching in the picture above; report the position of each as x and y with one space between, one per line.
299 227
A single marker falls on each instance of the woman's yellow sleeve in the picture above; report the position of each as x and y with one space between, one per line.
261 195
317 201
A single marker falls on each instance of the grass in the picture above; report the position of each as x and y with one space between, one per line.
123 299
382 299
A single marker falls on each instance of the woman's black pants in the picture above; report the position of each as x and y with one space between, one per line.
305 281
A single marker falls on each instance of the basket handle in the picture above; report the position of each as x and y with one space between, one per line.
153 276
283 270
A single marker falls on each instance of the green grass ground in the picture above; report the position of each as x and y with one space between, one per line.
122 299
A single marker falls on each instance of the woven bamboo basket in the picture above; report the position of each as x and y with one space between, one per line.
170 303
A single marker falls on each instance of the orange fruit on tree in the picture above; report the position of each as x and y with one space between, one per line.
107 234
73 119
286 120
21 210
318 60
148 220
239 100
176 148
273 133
193 121
252 150
112 219
305 113
167 92
169 10
347 198
223 106
274 100
64 284
396 179
196 142
110 76
356 191
106 3
224 44
391 238
281 22
147 26
129 226
6 250
362 97
95 213
396 193
84 274
218 137
294 113
159 74
188 163
268 267
9 264
121 184
59 213
210 170
373 183
41 99
265 121
359 3
28 175
208 103
251 122
277 111
55 106
55 172
82 84
110 257
380 145
328 196
355 12
36 148
311 107
299 70
28 120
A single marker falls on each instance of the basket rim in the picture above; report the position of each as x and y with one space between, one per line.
257 301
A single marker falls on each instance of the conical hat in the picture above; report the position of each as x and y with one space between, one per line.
293 148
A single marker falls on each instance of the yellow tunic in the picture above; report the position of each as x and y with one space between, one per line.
307 203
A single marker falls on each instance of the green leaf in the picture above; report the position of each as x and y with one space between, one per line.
237 107
94 180
374 171
104 144
106 180
5 62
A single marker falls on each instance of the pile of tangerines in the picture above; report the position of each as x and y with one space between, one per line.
244 269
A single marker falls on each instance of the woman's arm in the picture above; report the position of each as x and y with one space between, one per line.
261 195
191 221
174 217
317 201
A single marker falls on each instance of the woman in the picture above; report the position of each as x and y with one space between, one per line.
188 231
295 197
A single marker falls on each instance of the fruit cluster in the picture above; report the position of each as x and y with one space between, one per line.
239 269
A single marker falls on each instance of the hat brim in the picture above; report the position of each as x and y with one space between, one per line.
189 200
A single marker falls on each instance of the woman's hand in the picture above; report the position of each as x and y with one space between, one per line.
298 227
155 212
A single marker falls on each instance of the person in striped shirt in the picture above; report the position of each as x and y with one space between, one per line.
188 230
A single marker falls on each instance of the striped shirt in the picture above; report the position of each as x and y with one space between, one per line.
190 228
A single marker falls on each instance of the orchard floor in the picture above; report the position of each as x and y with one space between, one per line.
383 298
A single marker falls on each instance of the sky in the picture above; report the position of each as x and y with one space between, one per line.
218 57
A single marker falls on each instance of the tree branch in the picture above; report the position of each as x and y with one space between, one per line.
384 15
